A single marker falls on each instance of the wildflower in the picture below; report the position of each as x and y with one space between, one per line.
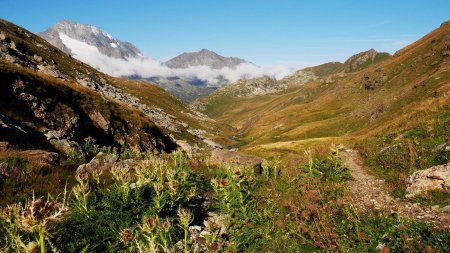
192 228
224 183
158 187
133 186
173 186
237 174
185 217
126 236
183 174
32 247
166 225
190 193
150 224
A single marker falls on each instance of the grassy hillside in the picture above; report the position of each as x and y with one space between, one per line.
398 93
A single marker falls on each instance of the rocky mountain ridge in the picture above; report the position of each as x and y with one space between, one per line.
29 64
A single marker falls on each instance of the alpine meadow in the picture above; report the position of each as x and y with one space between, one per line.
225 126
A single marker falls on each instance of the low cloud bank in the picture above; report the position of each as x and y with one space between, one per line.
148 67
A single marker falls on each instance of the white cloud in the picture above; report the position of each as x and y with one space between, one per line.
148 67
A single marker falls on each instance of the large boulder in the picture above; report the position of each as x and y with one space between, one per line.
227 156
434 178
100 163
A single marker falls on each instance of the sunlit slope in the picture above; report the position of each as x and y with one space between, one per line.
399 92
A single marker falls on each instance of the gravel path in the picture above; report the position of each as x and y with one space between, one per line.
370 193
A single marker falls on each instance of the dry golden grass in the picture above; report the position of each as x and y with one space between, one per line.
416 86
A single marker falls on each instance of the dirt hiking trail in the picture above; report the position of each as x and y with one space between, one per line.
371 193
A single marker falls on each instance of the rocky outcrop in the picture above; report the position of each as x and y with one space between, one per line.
227 156
434 178
372 82
363 59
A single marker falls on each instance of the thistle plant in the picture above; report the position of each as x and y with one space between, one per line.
186 218
33 222
80 193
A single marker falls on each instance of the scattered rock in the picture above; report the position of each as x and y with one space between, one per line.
227 156
381 247
42 156
389 149
212 143
3 145
445 209
37 58
99 120
441 147
100 163
10 172
215 221
61 145
434 178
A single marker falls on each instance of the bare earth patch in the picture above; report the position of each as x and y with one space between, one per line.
369 193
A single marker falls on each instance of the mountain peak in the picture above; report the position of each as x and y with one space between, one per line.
364 59
204 50
204 57
66 32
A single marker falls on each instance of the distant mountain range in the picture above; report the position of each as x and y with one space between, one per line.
181 75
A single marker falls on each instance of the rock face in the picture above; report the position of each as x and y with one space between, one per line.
203 57
226 156
90 35
434 178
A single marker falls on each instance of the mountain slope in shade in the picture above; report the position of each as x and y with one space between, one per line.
57 35
60 101
203 57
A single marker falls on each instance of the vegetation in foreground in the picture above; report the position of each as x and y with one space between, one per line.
173 204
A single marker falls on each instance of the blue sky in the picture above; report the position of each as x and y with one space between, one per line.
266 32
